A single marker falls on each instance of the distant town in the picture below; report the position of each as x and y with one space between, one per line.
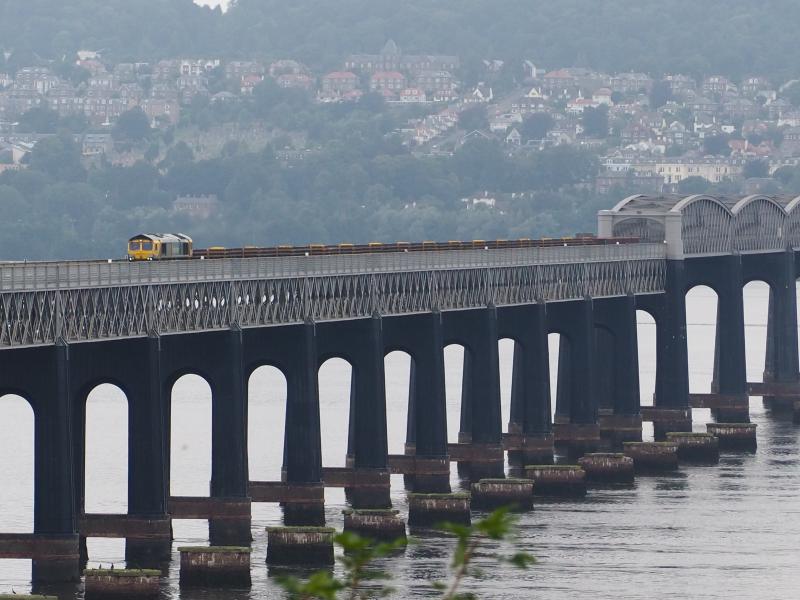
650 134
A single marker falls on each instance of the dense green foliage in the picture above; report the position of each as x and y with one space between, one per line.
733 37
359 185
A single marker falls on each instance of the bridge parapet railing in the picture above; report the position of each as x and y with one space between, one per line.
33 276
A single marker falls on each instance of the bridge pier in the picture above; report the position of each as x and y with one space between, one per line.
671 410
728 400
576 426
530 429
302 455
422 337
781 381
617 354
480 449
367 437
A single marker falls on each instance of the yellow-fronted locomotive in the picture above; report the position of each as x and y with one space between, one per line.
157 246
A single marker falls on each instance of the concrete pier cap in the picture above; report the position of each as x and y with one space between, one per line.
488 494
427 510
557 480
652 456
300 546
696 447
734 436
121 583
211 566
608 467
375 524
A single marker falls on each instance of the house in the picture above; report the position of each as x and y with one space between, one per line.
198 207
716 84
633 133
480 95
236 70
387 81
639 182
412 95
286 67
789 119
436 83
485 199
503 121
740 108
338 83
38 79
166 70
701 105
776 109
680 84
224 98
751 86
602 96
297 81
514 137
197 67
676 134
5 80
631 83
161 110
94 144
249 83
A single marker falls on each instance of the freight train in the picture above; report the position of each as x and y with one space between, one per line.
171 246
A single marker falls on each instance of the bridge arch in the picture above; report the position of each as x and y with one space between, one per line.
399 368
267 396
189 398
18 422
759 224
706 225
336 378
106 447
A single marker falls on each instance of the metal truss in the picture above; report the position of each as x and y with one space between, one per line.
708 226
402 284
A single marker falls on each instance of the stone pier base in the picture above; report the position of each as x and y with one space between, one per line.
529 449
215 566
488 494
477 461
734 436
557 480
426 510
796 411
667 419
577 438
312 546
607 467
380 524
618 429
26 597
121 583
652 456
699 447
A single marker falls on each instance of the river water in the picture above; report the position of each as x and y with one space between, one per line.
726 531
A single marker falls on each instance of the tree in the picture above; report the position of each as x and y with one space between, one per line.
59 157
755 168
536 126
694 185
660 94
792 93
132 126
39 119
473 118
595 122
717 145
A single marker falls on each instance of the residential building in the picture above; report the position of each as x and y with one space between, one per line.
631 83
392 59
295 81
237 70
338 83
199 207
96 144
387 81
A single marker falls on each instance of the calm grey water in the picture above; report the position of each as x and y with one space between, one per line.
727 531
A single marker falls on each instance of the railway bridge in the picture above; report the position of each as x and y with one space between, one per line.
67 327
